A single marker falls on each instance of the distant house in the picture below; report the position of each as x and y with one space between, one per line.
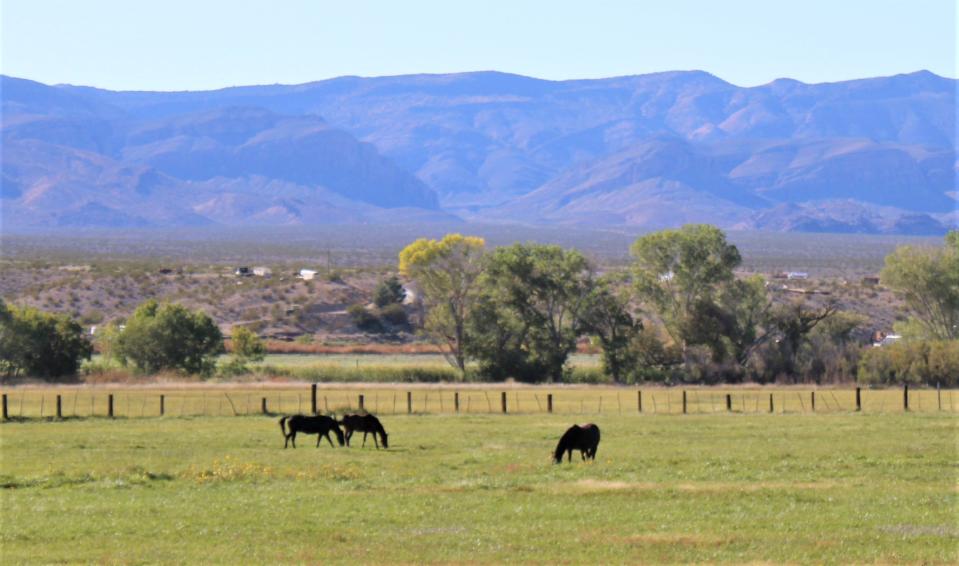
880 338
243 271
797 275
870 281
262 271
306 274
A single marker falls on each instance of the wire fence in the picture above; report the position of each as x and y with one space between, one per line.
31 403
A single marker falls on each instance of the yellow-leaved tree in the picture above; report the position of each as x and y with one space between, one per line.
445 273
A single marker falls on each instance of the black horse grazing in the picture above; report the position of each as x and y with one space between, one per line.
319 425
366 424
583 438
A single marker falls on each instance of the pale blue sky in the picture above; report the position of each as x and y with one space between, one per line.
200 44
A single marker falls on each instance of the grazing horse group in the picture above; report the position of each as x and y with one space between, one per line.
583 438
322 425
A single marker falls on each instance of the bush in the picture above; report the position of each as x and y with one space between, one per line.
923 362
394 314
364 319
389 292
40 344
169 337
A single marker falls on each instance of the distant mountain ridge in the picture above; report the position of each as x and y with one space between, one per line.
868 155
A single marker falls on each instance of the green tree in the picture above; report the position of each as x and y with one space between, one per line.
538 293
40 344
390 291
793 322
169 336
679 274
445 272
246 347
928 281
607 316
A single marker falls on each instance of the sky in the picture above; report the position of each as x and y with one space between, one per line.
205 44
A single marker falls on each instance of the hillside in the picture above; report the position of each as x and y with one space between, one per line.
872 155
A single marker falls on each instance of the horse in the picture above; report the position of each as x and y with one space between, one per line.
319 425
366 424
583 438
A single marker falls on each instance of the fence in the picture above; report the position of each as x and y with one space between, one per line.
213 401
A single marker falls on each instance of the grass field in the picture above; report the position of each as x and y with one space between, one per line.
480 488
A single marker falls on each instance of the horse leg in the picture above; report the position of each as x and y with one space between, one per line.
582 454
375 441
364 439
327 435
286 440
569 456
319 437
293 438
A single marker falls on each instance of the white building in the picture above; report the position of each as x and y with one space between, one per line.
307 274
262 271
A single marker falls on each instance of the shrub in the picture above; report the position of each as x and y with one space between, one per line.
927 362
169 337
389 292
40 344
394 314
364 319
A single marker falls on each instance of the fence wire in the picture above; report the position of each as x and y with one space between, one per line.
23 403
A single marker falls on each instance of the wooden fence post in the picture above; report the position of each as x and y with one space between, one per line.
110 405
263 405
729 403
684 401
770 402
362 404
639 399
905 396
503 401
409 402
812 398
6 415
59 408
939 395
313 398
549 403
858 399
456 401
162 404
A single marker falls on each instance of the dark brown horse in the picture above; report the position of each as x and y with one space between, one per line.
583 438
319 425
366 424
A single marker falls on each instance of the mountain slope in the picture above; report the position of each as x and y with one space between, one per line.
640 150
87 163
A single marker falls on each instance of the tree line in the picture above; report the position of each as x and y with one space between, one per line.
678 314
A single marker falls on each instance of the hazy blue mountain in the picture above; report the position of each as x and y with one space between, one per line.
865 155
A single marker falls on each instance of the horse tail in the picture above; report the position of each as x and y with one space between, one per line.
283 426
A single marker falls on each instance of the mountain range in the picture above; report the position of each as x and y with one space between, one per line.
871 155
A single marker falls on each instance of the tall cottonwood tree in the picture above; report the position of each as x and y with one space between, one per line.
928 281
445 272
533 297
679 274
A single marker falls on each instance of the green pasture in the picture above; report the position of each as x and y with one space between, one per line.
837 488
